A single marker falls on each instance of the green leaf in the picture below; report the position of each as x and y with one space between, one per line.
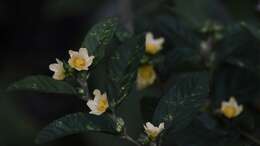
177 32
238 44
198 134
122 67
122 34
183 101
99 37
77 123
42 84
230 80
184 60
254 30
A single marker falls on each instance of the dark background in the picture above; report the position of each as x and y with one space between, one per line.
33 34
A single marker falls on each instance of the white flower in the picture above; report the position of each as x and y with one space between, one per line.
100 103
58 69
146 76
231 109
152 45
153 131
80 60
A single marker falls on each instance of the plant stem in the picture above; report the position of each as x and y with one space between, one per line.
160 139
153 144
84 86
250 137
129 138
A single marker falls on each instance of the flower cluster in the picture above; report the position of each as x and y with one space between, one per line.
146 74
78 60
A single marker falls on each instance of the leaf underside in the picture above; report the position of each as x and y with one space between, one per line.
76 123
44 84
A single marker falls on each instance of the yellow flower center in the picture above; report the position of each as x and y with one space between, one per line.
79 62
151 48
102 105
229 111
152 135
146 72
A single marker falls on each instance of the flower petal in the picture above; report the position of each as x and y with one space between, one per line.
150 125
83 52
149 37
91 104
95 113
72 53
53 67
161 126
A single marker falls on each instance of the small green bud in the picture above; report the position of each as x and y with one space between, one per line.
120 123
81 91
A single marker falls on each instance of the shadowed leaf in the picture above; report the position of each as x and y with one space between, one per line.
99 37
44 84
76 123
123 66
183 101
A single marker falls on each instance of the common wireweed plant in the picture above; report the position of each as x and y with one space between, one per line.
198 85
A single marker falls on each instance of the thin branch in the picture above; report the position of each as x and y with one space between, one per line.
129 138
250 137
160 140
84 86
153 144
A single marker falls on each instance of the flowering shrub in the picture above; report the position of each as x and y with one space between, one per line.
197 86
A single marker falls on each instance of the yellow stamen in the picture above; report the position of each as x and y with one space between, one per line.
229 111
102 105
151 48
79 62
146 72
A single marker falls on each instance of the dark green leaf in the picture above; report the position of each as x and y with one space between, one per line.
77 123
99 37
184 60
245 121
230 80
42 84
238 47
122 34
254 30
122 67
177 32
183 101
197 134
